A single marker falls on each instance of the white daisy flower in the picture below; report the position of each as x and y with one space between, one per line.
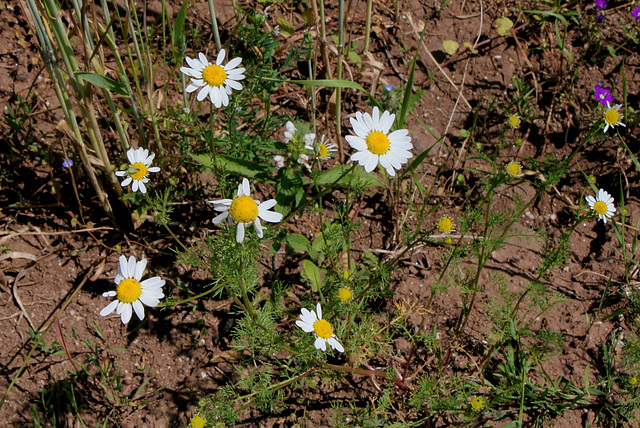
322 149
602 204
312 322
130 292
139 166
612 117
244 210
216 80
375 145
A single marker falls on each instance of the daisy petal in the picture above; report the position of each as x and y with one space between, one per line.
139 309
220 57
110 308
139 270
126 314
240 233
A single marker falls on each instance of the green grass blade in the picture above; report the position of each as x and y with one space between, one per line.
401 120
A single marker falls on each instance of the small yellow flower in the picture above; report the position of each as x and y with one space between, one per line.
513 168
477 403
514 121
347 274
624 212
633 381
345 294
197 422
448 240
445 224
591 179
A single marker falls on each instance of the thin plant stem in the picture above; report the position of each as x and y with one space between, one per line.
197 296
214 25
49 56
323 42
148 76
367 26
122 73
338 111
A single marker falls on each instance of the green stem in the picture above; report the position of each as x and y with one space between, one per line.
367 26
197 296
274 388
339 77
214 24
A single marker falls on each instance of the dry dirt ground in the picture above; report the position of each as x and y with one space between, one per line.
182 354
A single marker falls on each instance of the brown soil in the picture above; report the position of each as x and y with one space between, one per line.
182 354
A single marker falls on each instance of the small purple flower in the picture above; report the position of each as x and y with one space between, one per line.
601 4
388 88
636 13
599 18
67 163
603 95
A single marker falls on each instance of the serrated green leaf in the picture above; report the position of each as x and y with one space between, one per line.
312 272
319 244
369 258
338 176
204 160
298 242
103 82
354 57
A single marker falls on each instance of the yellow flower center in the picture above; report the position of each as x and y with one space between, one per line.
445 224
633 381
197 422
612 116
600 208
141 171
514 121
477 403
214 75
322 328
128 290
377 143
513 168
323 151
243 209
345 294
